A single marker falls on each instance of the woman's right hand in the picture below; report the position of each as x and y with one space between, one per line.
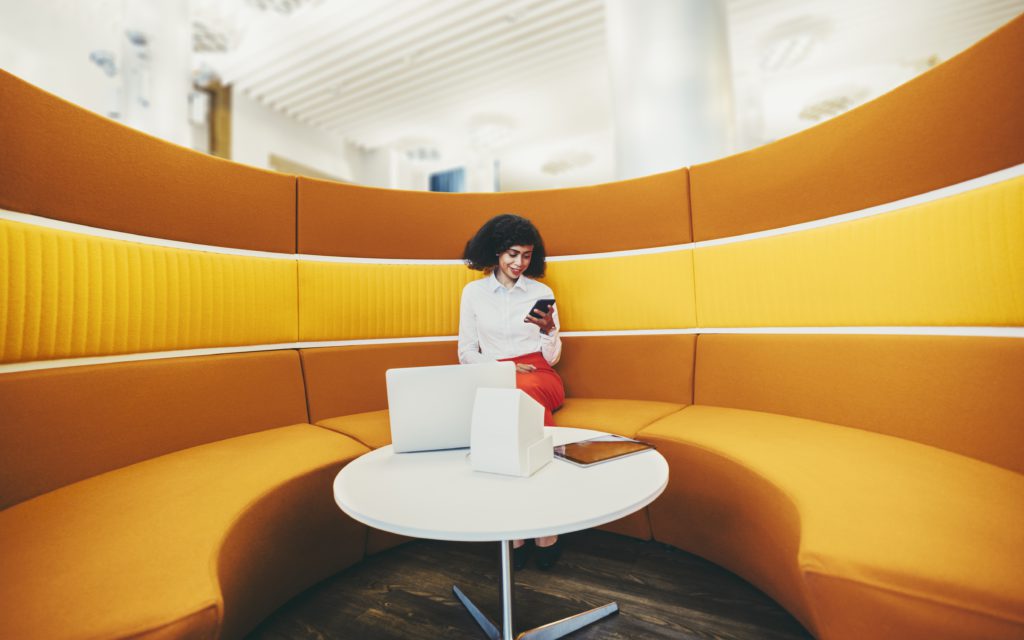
525 368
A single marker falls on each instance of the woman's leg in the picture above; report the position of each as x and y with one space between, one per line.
548 550
543 384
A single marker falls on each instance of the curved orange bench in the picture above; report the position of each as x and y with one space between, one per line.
201 507
892 525
870 484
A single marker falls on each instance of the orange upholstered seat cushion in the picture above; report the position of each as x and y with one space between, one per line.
871 514
372 428
622 417
212 537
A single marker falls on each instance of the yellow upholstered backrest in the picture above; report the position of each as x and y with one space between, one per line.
646 291
958 260
70 295
346 301
351 301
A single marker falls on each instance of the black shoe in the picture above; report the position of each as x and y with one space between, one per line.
548 556
521 554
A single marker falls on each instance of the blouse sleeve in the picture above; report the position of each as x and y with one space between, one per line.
551 344
469 339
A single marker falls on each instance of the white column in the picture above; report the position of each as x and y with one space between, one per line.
671 83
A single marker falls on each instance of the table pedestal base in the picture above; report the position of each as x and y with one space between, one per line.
548 631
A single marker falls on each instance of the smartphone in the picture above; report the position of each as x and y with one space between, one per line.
544 304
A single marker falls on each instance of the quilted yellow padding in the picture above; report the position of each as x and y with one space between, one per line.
652 291
954 261
72 295
351 301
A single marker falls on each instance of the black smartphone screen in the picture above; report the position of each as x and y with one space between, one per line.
544 304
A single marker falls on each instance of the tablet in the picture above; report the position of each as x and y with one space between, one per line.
600 449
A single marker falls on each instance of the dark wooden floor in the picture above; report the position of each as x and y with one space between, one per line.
406 593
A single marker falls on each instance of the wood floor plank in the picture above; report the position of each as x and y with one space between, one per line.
663 593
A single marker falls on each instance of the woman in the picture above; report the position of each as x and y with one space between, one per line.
496 323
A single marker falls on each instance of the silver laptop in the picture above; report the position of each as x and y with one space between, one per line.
432 407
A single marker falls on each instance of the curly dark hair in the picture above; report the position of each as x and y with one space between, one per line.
497 235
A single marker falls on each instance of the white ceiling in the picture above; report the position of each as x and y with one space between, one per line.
857 50
527 80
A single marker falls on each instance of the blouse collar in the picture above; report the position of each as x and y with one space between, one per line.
496 284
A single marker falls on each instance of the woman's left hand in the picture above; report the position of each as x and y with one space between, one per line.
543 320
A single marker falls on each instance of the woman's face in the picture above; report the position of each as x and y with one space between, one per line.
514 261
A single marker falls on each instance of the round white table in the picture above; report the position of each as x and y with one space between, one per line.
437 495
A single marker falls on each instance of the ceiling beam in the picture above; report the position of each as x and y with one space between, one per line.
387 39
486 59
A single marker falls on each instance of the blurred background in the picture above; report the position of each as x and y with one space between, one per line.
480 95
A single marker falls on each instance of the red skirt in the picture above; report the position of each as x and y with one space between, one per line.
542 384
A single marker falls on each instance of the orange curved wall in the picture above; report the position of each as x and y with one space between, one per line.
344 220
63 162
957 121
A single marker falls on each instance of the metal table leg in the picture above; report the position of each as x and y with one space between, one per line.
549 631
481 619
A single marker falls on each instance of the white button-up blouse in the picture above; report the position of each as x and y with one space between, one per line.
491 325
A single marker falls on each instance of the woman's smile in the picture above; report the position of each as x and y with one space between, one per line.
513 262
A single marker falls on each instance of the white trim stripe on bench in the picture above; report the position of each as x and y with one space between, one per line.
985 332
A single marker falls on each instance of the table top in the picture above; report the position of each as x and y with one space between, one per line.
437 495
